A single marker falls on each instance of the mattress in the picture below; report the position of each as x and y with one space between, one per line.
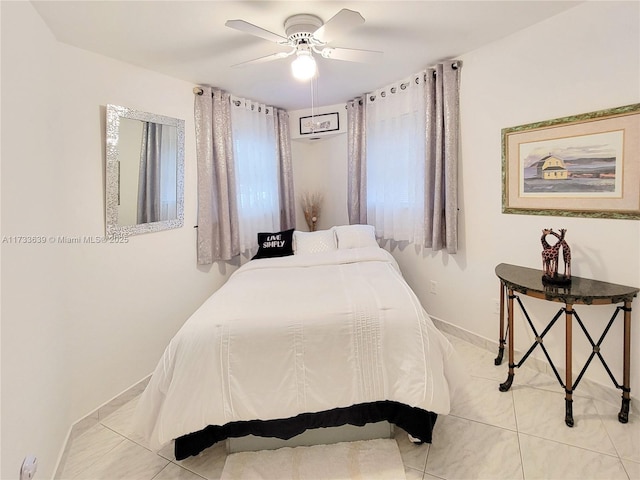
299 334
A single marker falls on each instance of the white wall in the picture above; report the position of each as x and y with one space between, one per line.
583 60
320 166
534 75
80 322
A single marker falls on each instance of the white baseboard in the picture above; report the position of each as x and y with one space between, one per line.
94 417
596 390
607 393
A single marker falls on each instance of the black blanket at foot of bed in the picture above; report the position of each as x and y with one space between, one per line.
418 423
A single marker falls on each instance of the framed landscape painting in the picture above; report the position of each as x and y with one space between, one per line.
326 122
584 165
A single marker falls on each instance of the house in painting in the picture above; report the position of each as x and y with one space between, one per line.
552 168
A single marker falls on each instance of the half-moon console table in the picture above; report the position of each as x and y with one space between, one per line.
528 281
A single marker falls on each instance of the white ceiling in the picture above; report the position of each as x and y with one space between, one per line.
188 39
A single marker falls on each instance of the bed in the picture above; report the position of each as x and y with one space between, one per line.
330 335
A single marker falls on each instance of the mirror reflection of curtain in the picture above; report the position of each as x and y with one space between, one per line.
157 199
168 181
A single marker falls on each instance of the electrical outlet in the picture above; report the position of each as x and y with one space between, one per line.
496 306
29 467
433 287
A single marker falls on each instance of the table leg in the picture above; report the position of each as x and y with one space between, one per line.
507 384
623 416
501 337
568 418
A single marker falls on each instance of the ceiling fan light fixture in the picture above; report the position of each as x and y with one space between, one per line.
304 66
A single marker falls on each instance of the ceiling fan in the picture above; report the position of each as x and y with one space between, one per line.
307 34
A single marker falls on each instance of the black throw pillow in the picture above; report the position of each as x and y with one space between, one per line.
278 244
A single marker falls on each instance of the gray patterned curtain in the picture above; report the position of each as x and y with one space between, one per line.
356 154
149 173
441 168
218 237
287 197
441 158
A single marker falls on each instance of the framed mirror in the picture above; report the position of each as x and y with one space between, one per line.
144 172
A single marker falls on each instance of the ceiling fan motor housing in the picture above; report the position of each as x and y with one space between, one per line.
301 27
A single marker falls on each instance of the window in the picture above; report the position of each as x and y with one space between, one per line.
256 170
395 133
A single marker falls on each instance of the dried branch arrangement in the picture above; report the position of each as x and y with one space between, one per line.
311 203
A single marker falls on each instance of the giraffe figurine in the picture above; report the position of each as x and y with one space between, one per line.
550 255
566 252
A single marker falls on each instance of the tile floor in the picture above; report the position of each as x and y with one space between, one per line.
518 434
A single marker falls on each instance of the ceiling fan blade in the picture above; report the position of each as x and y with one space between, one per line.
252 29
340 23
267 58
351 54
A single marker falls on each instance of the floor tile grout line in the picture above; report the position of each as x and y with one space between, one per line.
123 438
572 445
611 439
488 424
129 439
184 467
587 397
104 454
626 470
599 415
515 417
520 451
179 466
426 461
169 460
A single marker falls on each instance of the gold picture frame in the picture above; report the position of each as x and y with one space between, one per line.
585 165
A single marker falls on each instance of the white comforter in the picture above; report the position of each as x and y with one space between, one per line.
303 333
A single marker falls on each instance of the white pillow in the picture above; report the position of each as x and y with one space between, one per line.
314 242
356 236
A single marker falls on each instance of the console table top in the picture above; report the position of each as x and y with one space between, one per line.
581 290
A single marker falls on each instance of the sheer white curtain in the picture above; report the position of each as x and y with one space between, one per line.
257 169
395 160
168 181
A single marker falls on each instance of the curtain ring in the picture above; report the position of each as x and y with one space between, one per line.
393 89
383 94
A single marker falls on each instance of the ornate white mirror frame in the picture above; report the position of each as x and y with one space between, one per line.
123 164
